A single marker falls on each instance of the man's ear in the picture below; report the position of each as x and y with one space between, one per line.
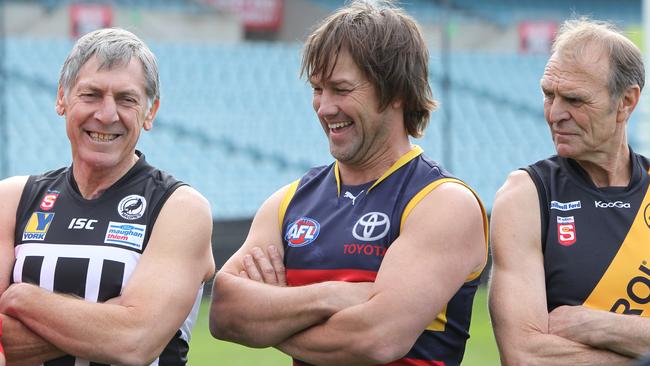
151 115
627 103
59 105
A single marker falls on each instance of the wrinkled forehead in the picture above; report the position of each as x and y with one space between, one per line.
589 65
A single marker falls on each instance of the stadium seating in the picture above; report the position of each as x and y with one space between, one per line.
236 122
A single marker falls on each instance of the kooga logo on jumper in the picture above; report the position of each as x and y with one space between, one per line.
565 206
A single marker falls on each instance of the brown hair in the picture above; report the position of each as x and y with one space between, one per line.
388 47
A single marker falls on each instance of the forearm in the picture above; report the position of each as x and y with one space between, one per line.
260 315
359 335
547 349
76 327
628 335
22 346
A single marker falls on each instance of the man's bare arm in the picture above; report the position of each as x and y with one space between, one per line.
263 314
625 334
134 328
440 245
518 291
21 345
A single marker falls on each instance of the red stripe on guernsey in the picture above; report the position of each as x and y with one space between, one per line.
300 277
402 362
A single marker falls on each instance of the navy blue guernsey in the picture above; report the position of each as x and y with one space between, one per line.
595 241
334 232
89 248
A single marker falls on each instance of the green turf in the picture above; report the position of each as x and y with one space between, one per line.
204 350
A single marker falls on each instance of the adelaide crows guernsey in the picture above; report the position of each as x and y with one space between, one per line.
334 232
596 241
89 248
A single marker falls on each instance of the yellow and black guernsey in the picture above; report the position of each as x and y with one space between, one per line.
89 248
596 241
337 232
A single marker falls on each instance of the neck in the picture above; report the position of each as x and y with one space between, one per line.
374 167
93 181
610 170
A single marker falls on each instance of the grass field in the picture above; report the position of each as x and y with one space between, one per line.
206 351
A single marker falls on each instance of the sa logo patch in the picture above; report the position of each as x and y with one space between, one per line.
302 232
48 200
566 230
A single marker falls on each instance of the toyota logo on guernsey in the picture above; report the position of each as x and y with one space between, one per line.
302 232
371 226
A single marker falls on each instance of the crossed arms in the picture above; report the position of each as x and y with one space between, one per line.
133 328
525 331
351 323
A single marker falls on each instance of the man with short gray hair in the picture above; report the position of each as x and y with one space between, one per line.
571 234
103 262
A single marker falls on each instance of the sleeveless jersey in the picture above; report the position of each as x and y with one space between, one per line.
334 232
595 241
89 248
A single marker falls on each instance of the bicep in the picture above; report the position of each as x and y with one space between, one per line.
10 192
264 232
441 243
178 258
517 289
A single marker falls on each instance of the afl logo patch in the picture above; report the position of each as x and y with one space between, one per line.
132 207
371 226
302 232
646 215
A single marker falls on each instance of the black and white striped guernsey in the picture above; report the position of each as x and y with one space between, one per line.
89 248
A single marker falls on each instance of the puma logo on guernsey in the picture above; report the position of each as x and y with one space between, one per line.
351 196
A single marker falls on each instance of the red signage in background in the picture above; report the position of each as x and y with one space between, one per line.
536 36
86 18
256 15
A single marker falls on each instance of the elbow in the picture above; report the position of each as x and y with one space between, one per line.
380 349
138 348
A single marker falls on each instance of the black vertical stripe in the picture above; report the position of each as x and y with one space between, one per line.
70 276
61 361
97 364
110 283
32 270
175 354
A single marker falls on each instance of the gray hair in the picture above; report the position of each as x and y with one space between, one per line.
625 59
113 47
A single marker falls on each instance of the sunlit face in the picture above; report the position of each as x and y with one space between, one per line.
105 111
347 106
577 103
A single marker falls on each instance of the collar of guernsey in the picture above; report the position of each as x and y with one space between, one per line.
414 152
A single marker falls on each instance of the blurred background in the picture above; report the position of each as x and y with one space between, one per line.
236 121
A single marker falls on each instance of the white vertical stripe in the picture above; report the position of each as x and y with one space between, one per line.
93 278
79 362
47 272
18 268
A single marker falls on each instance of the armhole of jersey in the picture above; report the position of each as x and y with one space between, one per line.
284 204
156 211
426 190
24 196
543 204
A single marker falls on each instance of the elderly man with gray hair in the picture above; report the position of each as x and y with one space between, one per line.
571 234
103 262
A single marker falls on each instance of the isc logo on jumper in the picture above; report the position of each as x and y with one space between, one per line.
565 206
127 235
48 200
566 230
302 232
38 225
132 207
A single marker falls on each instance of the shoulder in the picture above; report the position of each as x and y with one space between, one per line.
13 184
186 198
